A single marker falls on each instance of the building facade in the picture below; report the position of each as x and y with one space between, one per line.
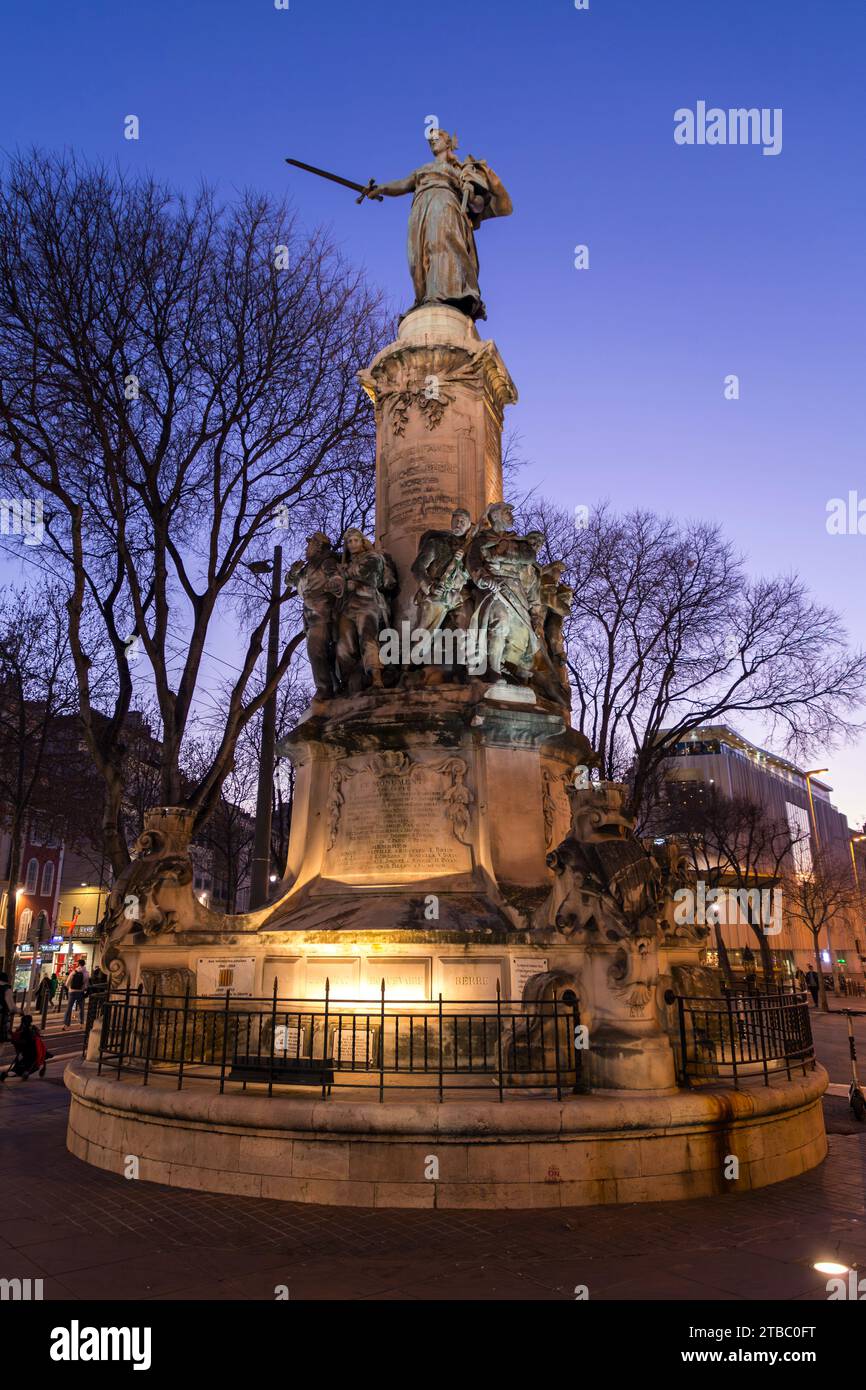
36 902
716 758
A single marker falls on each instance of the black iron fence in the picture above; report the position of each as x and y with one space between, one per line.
743 1036
444 1045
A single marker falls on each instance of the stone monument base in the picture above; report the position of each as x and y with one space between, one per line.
532 1151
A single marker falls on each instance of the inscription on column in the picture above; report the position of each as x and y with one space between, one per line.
422 485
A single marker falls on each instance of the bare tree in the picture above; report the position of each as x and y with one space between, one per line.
229 832
817 898
668 633
293 698
36 688
736 843
177 383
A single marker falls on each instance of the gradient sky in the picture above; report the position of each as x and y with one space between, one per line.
703 261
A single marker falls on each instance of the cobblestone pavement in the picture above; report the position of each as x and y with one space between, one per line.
91 1235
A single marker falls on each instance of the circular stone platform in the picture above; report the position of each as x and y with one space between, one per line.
413 1152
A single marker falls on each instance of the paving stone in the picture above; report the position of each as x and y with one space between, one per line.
93 1234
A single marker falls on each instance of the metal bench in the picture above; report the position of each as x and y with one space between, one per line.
283 1071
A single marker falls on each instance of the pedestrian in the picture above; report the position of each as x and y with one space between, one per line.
43 993
24 1039
53 985
77 987
7 1006
30 1051
812 984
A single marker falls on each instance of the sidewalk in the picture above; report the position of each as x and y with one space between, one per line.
90 1234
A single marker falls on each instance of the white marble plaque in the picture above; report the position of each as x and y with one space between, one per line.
233 975
522 969
349 1046
397 822
343 974
288 1040
283 969
404 978
471 979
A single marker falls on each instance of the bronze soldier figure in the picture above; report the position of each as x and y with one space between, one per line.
443 595
317 580
510 615
367 579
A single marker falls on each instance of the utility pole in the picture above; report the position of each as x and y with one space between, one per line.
261 864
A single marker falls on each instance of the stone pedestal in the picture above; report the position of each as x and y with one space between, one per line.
439 393
404 794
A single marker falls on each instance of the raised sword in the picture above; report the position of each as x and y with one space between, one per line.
365 189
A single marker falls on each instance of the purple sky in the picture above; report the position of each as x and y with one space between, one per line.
704 261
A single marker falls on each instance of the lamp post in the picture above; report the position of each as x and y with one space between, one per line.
852 841
817 772
261 862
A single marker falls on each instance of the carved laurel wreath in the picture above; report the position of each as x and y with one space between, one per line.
432 408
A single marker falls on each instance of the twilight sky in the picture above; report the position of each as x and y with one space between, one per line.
704 260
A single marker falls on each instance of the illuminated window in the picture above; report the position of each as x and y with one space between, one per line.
32 876
47 879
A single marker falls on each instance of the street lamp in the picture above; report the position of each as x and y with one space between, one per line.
818 772
261 862
853 840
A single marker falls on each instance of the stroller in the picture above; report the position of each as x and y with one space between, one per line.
31 1054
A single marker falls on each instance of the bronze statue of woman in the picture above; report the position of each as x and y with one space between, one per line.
451 198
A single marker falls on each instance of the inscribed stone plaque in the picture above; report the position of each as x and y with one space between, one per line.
422 485
288 1040
522 969
398 822
404 979
343 975
352 1046
470 979
283 969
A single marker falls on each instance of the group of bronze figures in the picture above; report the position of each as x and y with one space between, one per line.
481 580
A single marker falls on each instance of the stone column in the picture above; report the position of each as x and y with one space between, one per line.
440 393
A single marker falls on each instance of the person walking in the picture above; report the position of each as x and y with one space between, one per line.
53 984
43 993
7 1006
812 984
77 987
